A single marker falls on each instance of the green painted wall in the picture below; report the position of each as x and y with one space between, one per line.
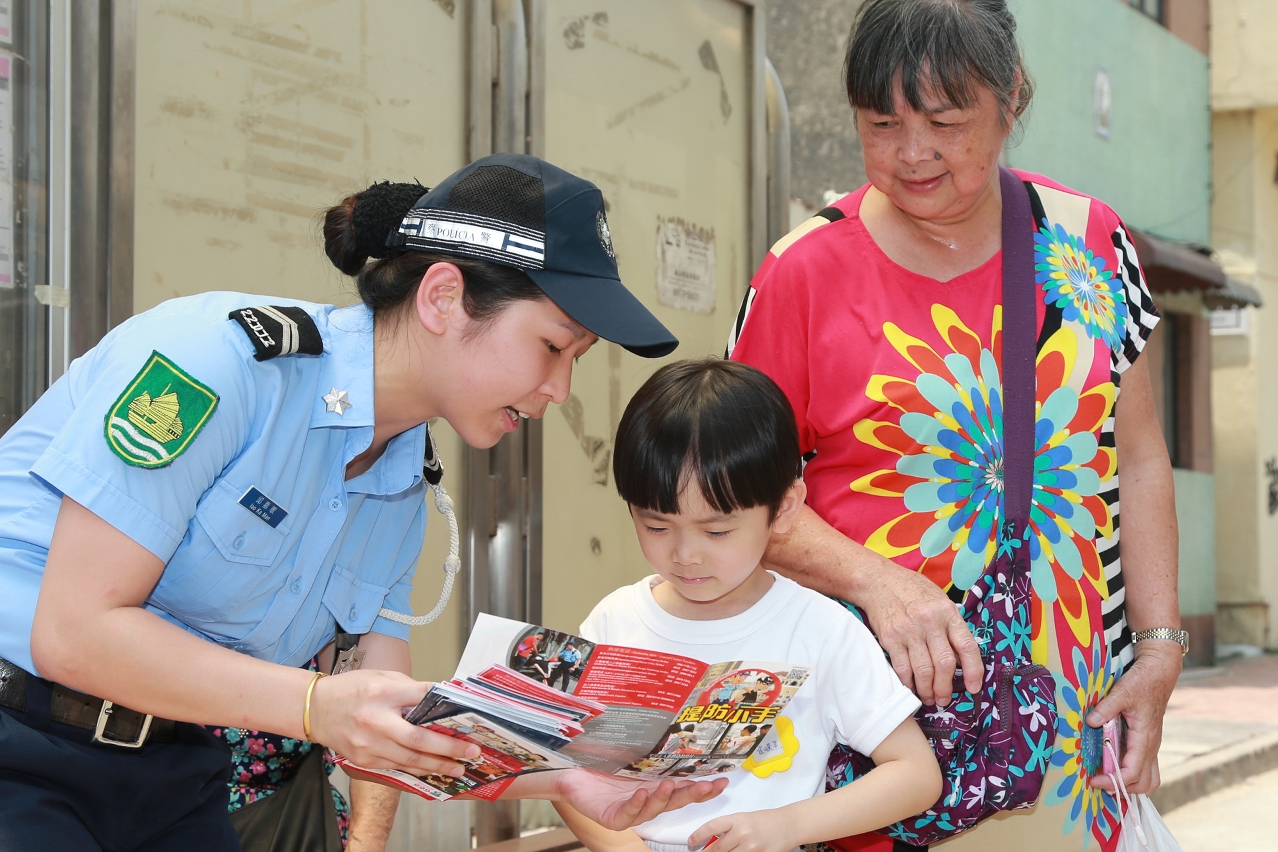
1196 501
1155 169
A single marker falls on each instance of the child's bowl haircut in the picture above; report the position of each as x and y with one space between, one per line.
722 424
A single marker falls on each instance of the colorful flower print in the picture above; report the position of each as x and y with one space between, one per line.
950 472
1078 692
1076 281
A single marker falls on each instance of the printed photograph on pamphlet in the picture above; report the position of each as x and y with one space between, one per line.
554 658
535 699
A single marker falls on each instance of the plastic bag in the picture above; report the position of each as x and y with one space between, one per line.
1143 829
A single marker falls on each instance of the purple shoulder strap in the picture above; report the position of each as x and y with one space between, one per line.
1020 334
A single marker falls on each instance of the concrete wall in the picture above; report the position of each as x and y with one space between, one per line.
1244 34
1160 122
806 42
1245 371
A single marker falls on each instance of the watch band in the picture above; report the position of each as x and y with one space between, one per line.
1180 637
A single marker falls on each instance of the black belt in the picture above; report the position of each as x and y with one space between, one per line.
111 724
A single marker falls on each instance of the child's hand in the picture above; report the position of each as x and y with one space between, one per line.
760 831
618 803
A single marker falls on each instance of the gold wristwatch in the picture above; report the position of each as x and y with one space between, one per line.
1181 637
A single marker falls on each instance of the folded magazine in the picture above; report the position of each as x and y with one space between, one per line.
535 699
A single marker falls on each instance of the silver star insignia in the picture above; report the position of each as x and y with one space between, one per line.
337 402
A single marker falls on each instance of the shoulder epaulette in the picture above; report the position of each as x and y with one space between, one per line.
277 330
432 467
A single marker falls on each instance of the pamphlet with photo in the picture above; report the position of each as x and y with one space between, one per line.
535 699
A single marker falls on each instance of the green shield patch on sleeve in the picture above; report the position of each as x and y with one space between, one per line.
158 415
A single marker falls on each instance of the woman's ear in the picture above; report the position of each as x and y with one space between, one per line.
791 504
439 297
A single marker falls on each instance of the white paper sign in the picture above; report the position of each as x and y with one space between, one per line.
685 266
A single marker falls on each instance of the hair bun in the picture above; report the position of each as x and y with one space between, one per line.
378 212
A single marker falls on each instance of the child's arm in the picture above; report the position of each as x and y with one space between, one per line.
595 837
905 781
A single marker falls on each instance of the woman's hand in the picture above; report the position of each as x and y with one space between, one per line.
922 631
616 803
359 715
760 831
1141 696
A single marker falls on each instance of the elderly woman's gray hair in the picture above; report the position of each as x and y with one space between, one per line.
946 49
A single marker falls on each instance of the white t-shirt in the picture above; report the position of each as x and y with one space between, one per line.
852 696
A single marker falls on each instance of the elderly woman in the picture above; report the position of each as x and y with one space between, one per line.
881 320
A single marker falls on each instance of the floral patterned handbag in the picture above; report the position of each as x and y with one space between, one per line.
994 746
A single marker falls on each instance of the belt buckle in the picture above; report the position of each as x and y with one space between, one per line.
104 716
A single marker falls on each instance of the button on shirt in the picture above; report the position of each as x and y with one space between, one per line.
344 550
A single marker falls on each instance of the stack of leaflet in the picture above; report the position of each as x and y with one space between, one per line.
537 712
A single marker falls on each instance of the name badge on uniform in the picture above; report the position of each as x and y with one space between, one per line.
264 507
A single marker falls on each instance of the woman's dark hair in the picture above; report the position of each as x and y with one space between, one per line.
950 47
722 424
355 230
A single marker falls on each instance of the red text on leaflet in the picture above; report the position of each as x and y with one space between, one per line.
631 677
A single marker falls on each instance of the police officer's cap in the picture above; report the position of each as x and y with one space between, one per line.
521 211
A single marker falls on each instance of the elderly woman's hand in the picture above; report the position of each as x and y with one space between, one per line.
921 630
918 626
1141 696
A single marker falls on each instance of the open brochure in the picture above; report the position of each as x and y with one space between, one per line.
535 699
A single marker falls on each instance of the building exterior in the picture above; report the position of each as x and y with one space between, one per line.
1244 83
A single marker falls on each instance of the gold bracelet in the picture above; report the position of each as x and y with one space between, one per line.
306 708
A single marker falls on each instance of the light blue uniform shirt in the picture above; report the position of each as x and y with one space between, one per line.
345 549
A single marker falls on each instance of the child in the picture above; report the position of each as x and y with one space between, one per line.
707 456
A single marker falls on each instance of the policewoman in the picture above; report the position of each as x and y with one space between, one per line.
192 510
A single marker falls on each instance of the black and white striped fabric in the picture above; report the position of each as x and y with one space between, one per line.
1142 316
277 330
1118 636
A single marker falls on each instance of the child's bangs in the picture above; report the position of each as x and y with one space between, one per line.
724 426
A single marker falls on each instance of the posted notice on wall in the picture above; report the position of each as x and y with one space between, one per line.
685 266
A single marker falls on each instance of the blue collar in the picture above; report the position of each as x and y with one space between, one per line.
348 366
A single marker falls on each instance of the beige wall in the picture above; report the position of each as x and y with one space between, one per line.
632 105
255 116
1245 375
1244 54
1266 280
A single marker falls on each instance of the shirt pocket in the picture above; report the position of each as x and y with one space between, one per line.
352 601
226 555
239 535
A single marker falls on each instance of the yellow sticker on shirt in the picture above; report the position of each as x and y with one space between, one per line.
776 752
